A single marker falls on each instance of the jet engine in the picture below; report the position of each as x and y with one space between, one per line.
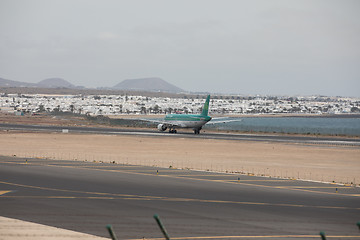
162 127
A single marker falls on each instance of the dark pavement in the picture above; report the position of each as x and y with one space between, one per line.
346 141
86 196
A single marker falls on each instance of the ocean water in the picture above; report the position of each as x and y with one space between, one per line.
303 125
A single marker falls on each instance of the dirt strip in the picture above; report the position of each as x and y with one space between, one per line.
297 161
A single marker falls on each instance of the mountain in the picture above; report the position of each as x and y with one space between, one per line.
11 83
55 83
47 83
142 84
148 84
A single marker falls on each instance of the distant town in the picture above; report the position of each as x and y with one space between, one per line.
127 104
154 96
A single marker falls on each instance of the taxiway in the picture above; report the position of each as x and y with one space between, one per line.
86 196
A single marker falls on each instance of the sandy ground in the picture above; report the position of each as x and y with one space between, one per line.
13 229
322 163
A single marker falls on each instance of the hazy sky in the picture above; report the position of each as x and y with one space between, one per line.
231 46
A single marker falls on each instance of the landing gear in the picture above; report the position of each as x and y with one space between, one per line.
197 131
172 131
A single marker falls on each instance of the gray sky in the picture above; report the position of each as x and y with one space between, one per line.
231 46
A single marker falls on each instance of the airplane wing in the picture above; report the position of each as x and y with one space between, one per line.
226 120
213 121
164 123
150 120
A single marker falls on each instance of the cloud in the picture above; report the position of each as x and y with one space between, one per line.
108 36
248 46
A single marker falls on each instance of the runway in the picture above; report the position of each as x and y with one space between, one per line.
344 141
86 196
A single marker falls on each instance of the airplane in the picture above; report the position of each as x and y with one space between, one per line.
194 121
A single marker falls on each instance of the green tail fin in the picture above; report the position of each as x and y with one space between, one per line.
206 107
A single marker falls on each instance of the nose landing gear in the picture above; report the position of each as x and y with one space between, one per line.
197 130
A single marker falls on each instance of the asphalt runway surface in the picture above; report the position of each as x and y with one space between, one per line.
346 141
86 196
